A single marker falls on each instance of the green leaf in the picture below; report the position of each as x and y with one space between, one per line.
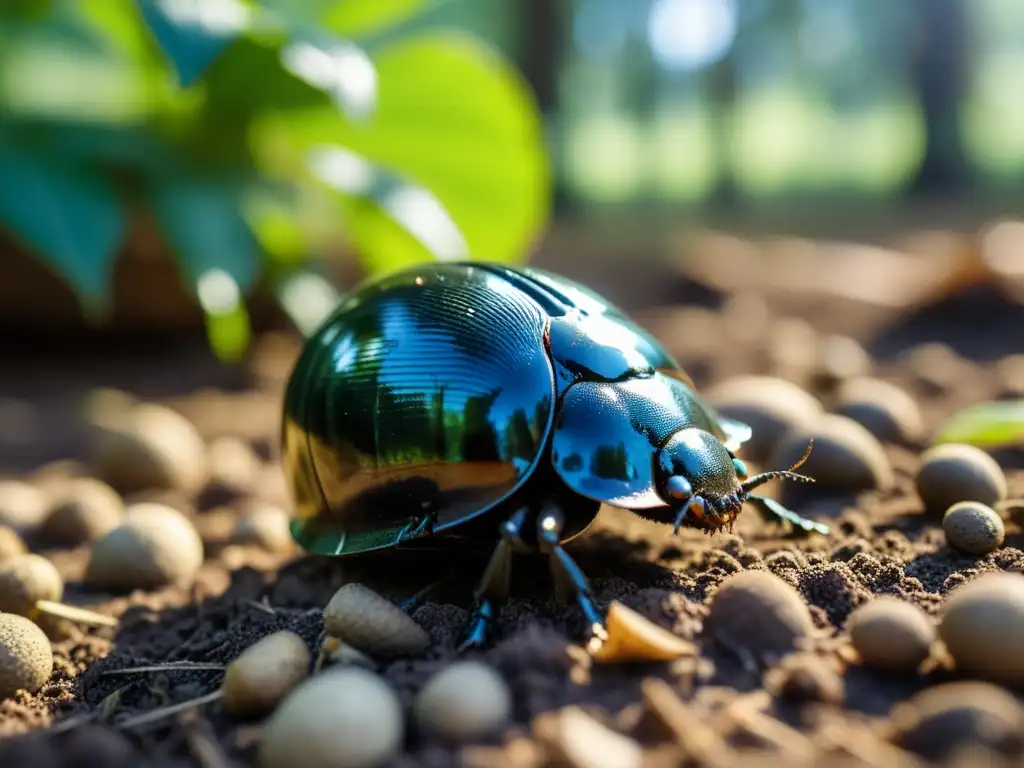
73 219
452 117
192 32
204 225
986 425
359 17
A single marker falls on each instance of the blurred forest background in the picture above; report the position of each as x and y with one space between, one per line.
584 126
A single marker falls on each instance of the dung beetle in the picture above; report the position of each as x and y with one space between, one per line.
478 402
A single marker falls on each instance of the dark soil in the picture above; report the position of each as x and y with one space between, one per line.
880 544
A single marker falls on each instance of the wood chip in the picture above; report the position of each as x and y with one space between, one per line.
633 638
695 736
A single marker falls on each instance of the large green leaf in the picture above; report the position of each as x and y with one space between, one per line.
202 221
192 32
452 117
73 219
359 17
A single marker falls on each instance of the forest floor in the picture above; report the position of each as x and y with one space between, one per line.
824 708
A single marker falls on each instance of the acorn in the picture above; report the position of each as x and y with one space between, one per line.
373 624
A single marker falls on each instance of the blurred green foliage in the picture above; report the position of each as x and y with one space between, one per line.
991 425
259 134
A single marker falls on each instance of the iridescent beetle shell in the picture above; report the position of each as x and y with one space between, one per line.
439 393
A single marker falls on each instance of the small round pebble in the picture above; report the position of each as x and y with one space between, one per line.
266 527
11 544
155 546
846 457
885 410
27 579
840 359
759 612
973 528
770 406
233 470
955 472
341 718
982 623
86 509
464 702
939 719
264 673
152 447
936 366
891 634
23 507
26 658
1010 371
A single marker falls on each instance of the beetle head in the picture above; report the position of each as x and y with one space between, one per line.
704 484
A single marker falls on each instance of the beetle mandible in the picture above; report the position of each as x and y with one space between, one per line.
477 401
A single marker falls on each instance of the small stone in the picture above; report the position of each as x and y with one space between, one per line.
770 406
935 366
154 547
936 721
891 634
83 511
23 507
845 457
27 579
792 348
342 718
806 677
1010 371
267 527
464 702
981 624
759 614
151 447
840 359
233 471
26 658
11 544
955 472
264 673
885 410
973 528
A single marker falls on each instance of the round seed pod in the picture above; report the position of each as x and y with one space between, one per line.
885 410
980 625
26 658
955 472
464 702
973 527
155 546
152 447
891 634
373 624
266 527
23 507
86 509
264 673
770 406
27 579
759 614
342 718
846 457
11 544
938 720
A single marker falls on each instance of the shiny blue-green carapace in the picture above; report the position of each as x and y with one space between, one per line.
437 400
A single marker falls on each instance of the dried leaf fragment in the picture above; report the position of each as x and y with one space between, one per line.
632 638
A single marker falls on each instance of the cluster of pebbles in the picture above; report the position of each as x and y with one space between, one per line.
804 622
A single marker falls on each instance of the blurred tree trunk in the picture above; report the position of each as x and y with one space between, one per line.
542 47
939 73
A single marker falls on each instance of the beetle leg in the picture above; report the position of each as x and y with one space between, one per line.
494 585
549 529
772 511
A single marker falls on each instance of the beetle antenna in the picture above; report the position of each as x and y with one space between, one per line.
788 474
